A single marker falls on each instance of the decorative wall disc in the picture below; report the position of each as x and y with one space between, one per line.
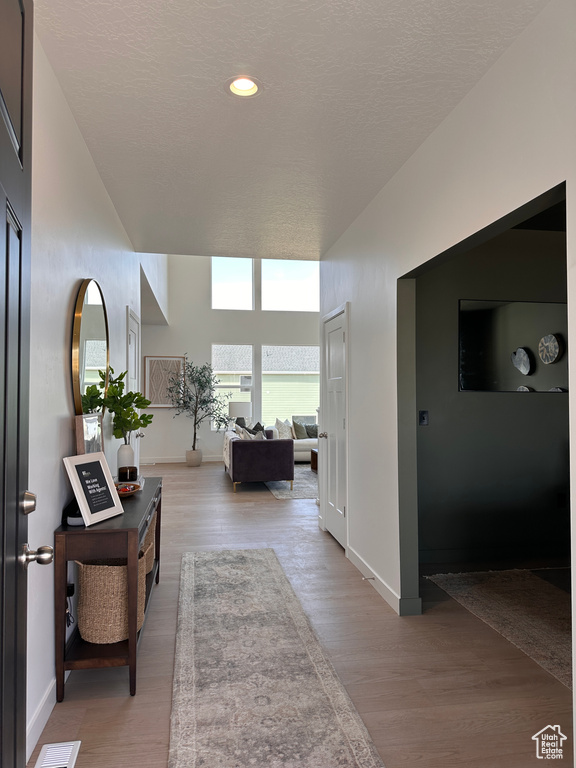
521 360
549 349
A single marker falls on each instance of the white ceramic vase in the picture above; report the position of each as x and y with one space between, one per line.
125 455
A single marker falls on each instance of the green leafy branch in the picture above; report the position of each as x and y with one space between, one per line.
109 393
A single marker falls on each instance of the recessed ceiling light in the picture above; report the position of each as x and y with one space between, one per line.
243 86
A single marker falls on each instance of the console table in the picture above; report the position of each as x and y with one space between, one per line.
117 537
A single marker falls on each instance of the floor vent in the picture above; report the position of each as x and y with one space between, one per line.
61 755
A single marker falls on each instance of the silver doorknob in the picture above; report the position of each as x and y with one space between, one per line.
323 434
28 503
42 555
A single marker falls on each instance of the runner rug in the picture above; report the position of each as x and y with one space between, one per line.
252 686
527 610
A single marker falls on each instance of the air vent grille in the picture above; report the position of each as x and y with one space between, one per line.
62 755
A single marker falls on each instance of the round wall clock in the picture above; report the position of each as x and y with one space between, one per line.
549 349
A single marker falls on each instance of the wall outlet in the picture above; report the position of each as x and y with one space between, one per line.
422 418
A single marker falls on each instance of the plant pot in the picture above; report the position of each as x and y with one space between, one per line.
194 458
125 456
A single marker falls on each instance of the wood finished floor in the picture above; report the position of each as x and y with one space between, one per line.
435 691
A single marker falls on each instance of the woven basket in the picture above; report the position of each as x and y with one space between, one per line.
148 546
148 555
103 599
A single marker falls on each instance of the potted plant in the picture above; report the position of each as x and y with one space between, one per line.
193 393
125 418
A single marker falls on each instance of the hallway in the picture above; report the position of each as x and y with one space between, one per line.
439 690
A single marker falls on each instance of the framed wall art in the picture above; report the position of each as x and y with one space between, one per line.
157 374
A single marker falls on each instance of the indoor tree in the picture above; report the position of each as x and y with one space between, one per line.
193 392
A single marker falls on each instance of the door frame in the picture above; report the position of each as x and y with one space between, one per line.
342 309
133 324
410 602
15 195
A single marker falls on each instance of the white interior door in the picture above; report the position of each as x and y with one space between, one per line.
334 445
133 364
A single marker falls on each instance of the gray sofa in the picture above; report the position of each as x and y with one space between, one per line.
258 461
303 446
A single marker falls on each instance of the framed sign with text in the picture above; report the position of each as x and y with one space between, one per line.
93 487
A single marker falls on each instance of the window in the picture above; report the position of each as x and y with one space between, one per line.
232 365
286 286
95 348
290 286
232 283
290 382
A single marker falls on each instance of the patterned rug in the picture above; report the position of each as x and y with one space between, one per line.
252 687
527 610
305 484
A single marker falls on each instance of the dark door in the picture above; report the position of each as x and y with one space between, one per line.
15 127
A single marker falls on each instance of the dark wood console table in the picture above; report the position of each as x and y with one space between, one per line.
117 537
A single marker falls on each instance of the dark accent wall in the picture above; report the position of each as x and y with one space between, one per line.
493 480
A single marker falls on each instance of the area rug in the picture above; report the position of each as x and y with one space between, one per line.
305 484
252 686
527 610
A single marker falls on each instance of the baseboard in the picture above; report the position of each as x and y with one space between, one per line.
39 719
404 606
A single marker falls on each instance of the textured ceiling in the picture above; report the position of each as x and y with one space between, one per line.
350 89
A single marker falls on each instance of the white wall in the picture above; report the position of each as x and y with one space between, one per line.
194 327
75 234
511 139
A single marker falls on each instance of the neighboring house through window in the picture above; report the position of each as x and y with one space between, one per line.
290 381
279 380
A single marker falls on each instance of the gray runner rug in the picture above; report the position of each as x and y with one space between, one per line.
528 611
252 686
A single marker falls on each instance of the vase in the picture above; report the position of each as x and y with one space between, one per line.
88 433
194 458
125 455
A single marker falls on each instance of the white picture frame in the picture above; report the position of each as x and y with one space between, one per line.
158 370
93 486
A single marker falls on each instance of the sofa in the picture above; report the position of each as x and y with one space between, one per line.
302 445
258 461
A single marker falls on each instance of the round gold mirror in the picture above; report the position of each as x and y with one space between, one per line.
90 348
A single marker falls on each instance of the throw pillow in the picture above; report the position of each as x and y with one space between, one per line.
312 430
248 434
300 430
238 429
256 428
284 429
